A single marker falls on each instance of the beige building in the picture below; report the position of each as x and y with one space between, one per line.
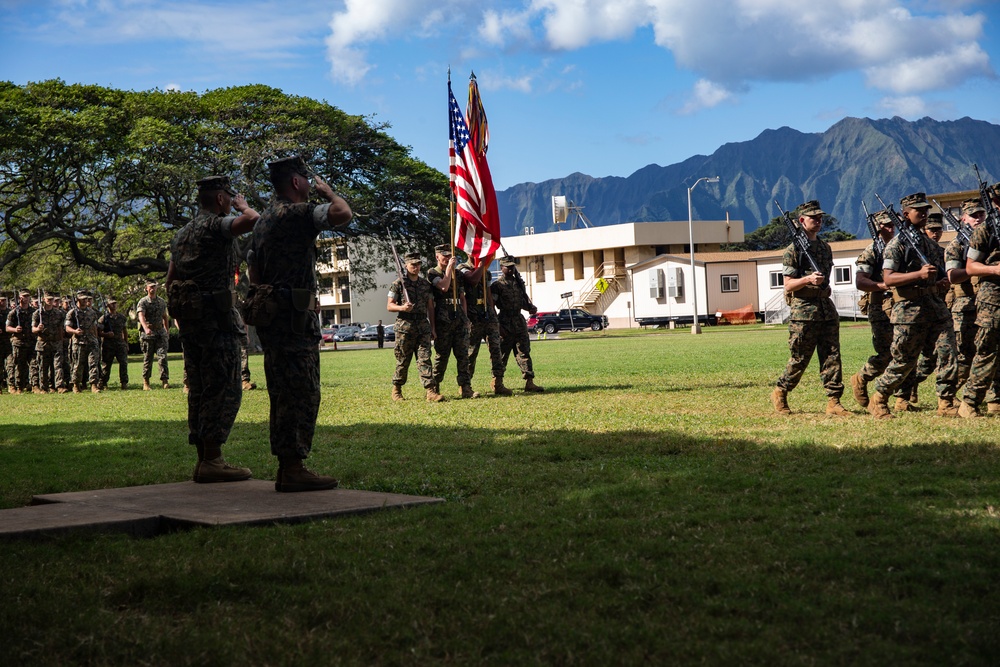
588 268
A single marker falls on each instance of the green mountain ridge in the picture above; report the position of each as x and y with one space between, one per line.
850 162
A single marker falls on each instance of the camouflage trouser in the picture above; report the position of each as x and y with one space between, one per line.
155 344
965 341
17 369
211 363
33 370
983 375
936 341
86 362
112 351
67 363
6 353
291 370
413 337
244 363
490 330
452 338
882 343
823 337
50 367
514 338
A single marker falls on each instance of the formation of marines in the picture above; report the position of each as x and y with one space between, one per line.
455 308
933 311
52 344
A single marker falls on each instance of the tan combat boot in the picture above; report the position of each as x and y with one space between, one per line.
433 396
217 470
878 407
913 396
779 399
145 385
993 409
496 384
466 392
95 389
530 385
967 411
904 405
247 385
860 390
946 408
294 477
397 393
166 385
833 407
37 390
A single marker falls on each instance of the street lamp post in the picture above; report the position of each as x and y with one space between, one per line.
695 325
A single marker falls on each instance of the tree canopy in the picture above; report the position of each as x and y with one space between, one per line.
104 178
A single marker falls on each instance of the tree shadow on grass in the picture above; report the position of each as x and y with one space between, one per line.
665 545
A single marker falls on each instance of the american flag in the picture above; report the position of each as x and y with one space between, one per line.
477 229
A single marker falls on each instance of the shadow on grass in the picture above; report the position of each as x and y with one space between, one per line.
625 546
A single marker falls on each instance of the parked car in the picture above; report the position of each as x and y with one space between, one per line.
533 320
390 332
328 334
368 333
345 334
569 318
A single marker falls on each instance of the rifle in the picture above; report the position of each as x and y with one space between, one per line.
399 268
992 216
799 238
963 231
106 329
877 242
911 236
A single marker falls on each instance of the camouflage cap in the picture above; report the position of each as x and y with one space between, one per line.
24 292
112 300
83 294
412 257
811 208
286 166
509 260
50 295
972 206
444 248
216 183
934 221
995 191
150 282
916 200
883 218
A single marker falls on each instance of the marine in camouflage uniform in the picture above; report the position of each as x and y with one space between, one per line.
921 321
451 322
154 335
483 323
66 306
49 324
81 324
510 299
868 279
984 263
282 260
6 356
200 288
814 324
412 299
114 344
22 344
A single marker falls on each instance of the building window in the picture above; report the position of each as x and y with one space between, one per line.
841 275
777 280
557 266
540 270
345 315
344 285
342 252
730 283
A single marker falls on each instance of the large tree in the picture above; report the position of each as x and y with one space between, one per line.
106 177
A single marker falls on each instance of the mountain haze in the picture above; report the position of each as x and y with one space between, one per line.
851 161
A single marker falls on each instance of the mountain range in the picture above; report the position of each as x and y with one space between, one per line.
848 163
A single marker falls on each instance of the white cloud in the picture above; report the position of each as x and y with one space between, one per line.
909 106
705 95
173 88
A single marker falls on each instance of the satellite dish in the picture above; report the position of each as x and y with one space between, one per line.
558 209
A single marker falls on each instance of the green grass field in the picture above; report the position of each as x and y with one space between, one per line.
648 507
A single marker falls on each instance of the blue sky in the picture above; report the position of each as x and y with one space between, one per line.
603 87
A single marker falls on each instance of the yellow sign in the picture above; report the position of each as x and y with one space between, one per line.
602 285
